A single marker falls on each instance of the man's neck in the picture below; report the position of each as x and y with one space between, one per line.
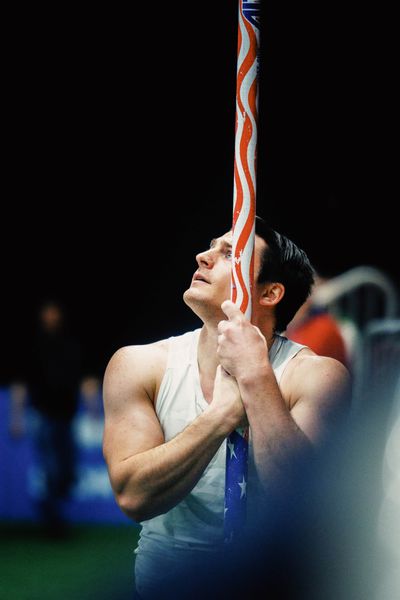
207 350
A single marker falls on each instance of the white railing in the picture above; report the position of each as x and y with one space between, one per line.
345 285
365 301
378 364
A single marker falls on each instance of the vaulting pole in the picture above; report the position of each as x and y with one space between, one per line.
243 229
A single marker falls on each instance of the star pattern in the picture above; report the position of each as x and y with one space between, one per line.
243 487
231 447
235 483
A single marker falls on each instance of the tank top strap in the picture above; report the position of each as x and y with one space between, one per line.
281 352
182 349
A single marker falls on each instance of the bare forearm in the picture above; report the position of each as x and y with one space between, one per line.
280 452
152 482
278 443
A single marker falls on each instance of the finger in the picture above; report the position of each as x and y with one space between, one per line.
232 311
222 326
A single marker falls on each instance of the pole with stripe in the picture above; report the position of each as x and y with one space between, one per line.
243 233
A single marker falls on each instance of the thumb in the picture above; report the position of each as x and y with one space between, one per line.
231 310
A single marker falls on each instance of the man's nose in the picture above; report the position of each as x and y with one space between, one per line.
205 259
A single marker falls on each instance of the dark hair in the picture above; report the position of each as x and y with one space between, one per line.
284 262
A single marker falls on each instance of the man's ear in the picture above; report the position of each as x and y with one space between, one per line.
272 294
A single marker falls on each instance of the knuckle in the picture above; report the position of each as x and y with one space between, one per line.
221 326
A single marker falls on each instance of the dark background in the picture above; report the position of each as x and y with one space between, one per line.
119 160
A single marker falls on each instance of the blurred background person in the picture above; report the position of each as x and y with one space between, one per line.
51 380
317 328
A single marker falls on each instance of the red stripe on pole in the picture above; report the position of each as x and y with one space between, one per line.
243 235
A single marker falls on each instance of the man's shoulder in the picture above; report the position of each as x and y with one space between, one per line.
317 380
308 368
134 369
149 358
132 354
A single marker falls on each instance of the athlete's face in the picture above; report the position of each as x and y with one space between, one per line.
211 283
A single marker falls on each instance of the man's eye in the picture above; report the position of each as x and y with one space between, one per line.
228 254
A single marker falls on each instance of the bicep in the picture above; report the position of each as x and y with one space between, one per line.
324 400
131 425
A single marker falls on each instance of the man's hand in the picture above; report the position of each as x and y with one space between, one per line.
227 395
242 349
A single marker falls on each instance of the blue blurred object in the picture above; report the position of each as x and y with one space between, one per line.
21 479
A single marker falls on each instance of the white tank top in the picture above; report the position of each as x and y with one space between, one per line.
196 523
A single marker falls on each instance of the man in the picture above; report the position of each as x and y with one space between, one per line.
318 329
50 383
170 405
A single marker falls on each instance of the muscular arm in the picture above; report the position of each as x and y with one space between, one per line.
148 475
284 437
287 423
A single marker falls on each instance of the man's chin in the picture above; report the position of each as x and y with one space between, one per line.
188 296
203 307
194 298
